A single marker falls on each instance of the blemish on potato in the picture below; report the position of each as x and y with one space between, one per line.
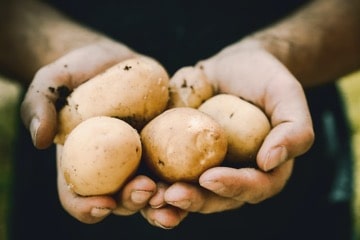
184 84
161 162
127 68
51 89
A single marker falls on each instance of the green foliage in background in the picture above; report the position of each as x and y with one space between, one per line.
9 98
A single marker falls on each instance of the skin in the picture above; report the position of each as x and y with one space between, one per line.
304 50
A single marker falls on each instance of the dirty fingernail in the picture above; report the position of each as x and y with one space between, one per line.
100 212
275 157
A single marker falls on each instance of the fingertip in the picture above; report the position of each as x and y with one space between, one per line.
284 143
33 128
274 158
141 196
43 135
89 210
98 212
40 118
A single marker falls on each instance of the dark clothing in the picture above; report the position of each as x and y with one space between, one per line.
316 201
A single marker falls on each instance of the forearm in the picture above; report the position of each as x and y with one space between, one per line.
319 43
36 34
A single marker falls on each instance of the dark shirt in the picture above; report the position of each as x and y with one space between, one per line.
177 32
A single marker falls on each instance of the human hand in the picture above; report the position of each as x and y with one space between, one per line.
39 114
53 82
250 72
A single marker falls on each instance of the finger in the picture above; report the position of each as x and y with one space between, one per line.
166 217
39 116
54 82
85 209
193 198
157 201
247 184
135 195
292 130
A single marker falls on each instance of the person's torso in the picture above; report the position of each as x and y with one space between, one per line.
177 32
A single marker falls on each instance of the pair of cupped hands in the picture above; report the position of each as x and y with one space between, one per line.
244 69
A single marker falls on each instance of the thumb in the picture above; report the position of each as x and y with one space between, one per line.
39 116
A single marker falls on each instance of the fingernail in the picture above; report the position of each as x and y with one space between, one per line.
100 212
140 196
275 157
157 205
214 186
34 126
161 226
183 204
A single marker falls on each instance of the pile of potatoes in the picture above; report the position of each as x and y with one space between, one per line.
133 113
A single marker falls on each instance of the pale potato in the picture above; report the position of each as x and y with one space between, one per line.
99 155
245 124
181 143
189 87
134 90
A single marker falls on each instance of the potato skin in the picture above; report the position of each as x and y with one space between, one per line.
99 155
245 124
134 90
181 143
189 87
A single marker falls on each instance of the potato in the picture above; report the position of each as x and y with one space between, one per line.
189 87
245 124
134 90
99 155
181 143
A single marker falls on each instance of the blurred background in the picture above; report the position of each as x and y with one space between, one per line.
9 98
9 117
